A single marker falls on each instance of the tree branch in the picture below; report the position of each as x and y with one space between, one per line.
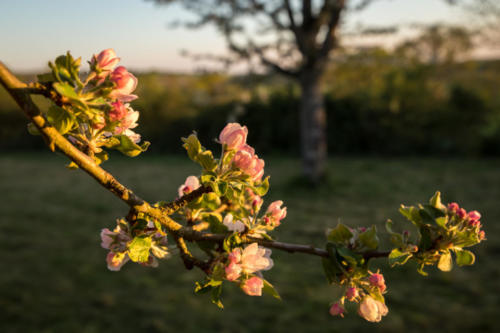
20 94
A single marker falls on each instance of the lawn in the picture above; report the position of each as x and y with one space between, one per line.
54 278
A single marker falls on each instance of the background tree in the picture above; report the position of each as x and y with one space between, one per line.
291 37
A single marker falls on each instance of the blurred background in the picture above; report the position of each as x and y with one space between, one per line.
409 103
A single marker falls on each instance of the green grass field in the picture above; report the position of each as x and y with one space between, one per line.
53 276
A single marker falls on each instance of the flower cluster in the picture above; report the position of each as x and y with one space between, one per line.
368 292
233 138
92 111
243 266
238 187
465 221
143 242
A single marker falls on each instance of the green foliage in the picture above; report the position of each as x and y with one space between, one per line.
340 234
138 249
128 147
61 119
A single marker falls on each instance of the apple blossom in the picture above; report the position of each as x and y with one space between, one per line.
106 240
249 164
377 280
234 136
104 62
118 111
351 293
461 213
115 261
235 255
474 215
275 212
125 84
453 207
233 271
337 310
253 286
372 310
232 225
256 258
192 183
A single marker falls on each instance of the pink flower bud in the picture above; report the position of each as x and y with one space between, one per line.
253 286
255 199
453 207
125 83
191 184
276 212
233 271
234 136
105 61
362 229
106 239
249 163
474 215
461 213
372 310
481 235
115 261
351 293
337 310
377 280
118 112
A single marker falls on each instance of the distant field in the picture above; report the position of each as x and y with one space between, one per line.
53 276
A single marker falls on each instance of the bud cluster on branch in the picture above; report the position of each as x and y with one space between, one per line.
220 209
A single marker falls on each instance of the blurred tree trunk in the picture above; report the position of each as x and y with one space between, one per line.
312 127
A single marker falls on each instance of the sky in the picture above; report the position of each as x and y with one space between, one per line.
32 32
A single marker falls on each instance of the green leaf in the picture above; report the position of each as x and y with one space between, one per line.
432 215
101 157
206 160
192 145
445 264
220 188
270 290
202 288
425 239
207 177
369 238
464 257
331 269
262 188
210 201
216 292
397 257
421 271
435 201
396 239
215 222
351 257
218 272
340 234
138 249
441 221
412 214
128 147
66 90
62 120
